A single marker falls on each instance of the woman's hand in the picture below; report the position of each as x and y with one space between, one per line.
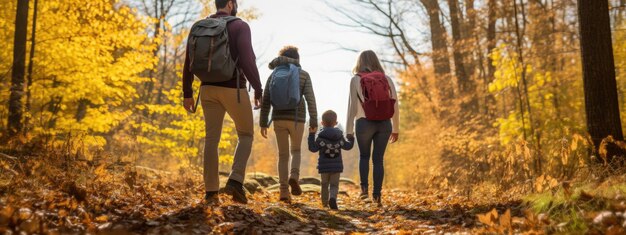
394 137
264 132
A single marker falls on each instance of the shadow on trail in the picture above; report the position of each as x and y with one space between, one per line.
455 215
239 219
324 218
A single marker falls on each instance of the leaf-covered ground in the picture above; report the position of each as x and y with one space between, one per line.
36 197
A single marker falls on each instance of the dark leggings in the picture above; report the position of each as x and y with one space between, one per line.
376 133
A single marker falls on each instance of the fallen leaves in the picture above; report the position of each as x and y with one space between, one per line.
501 224
103 199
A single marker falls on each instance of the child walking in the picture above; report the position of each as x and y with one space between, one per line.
329 143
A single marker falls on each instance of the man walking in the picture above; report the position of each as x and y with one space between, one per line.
220 93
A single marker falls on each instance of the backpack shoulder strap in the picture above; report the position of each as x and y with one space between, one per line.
230 18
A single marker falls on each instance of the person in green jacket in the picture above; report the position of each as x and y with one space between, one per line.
289 124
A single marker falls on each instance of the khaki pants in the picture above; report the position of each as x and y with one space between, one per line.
286 131
330 186
216 102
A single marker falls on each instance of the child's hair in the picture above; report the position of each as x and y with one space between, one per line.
290 51
329 118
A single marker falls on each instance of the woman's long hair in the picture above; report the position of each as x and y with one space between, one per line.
367 62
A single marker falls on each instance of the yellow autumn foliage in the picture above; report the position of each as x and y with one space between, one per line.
88 60
91 67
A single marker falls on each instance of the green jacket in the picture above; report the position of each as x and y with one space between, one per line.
307 92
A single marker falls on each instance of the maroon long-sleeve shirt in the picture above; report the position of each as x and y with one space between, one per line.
240 40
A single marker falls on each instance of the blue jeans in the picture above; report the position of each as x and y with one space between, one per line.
368 133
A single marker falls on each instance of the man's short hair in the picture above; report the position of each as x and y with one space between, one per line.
290 51
219 4
329 117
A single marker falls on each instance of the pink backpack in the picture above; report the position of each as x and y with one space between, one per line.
377 102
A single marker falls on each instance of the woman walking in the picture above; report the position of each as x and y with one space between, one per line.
373 116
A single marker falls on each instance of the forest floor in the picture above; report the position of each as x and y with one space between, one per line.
39 197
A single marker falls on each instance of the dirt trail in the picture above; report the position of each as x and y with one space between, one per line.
403 212
101 201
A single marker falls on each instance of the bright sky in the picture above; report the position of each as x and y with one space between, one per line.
303 23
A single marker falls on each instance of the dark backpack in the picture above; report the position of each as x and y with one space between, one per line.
209 51
285 87
377 101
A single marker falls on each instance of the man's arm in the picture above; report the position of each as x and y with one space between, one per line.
187 76
266 105
247 59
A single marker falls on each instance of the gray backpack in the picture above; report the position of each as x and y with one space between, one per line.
209 52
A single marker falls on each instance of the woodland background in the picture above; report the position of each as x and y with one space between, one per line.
494 105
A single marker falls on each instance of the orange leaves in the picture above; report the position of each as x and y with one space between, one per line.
164 203
501 224
102 218
545 182
100 171
5 215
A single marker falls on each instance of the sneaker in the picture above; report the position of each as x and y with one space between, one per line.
211 198
295 187
236 190
332 203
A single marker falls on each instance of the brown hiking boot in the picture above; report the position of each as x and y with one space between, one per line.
284 195
236 190
332 203
212 199
295 187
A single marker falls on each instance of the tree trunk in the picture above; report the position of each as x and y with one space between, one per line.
149 86
491 36
81 111
440 57
519 34
490 100
470 36
459 68
29 81
438 39
15 124
601 105
163 71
